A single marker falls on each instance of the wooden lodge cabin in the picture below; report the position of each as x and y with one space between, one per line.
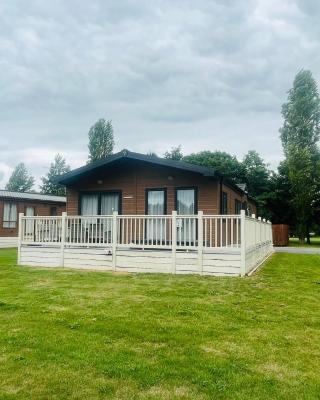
138 213
31 204
137 184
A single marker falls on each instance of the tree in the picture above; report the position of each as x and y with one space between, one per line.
256 173
223 162
20 180
101 140
57 167
277 198
174 154
257 178
300 134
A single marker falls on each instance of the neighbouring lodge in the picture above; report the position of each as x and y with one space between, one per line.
137 184
31 204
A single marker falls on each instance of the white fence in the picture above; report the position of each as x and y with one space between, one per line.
205 244
8 241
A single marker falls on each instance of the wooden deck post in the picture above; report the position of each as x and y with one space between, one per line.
174 240
20 230
200 241
63 237
243 242
114 240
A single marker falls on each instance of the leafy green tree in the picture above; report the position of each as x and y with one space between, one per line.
257 178
300 134
256 172
223 162
101 140
277 198
57 167
174 154
20 180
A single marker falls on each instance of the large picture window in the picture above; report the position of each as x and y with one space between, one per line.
104 203
10 215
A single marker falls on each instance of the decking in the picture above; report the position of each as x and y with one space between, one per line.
229 245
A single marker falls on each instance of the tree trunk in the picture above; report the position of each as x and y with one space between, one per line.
308 236
301 233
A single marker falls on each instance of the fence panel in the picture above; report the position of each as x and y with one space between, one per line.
89 230
144 231
221 231
41 229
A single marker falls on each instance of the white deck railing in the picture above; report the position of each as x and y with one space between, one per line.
247 235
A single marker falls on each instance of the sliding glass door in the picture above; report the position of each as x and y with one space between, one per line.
93 205
89 204
186 205
99 203
155 205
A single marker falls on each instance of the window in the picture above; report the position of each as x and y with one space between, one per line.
156 201
99 203
224 203
186 201
30 211
155 205
237 206
9 215
53 211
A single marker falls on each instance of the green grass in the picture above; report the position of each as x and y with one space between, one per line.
88 335
315 242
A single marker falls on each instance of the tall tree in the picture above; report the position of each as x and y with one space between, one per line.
174 154
300 134
20 180
57 167
101 140
221 161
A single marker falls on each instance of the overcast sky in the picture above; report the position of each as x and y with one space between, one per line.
206 74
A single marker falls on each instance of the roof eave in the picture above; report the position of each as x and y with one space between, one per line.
68 178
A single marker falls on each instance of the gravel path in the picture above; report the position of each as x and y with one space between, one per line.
297 250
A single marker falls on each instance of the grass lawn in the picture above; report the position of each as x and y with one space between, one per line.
315 242
87 335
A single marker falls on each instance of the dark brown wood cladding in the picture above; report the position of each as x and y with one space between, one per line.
133 179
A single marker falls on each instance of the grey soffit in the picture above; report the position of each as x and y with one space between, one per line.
9 195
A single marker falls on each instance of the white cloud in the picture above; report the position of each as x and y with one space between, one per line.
206 74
